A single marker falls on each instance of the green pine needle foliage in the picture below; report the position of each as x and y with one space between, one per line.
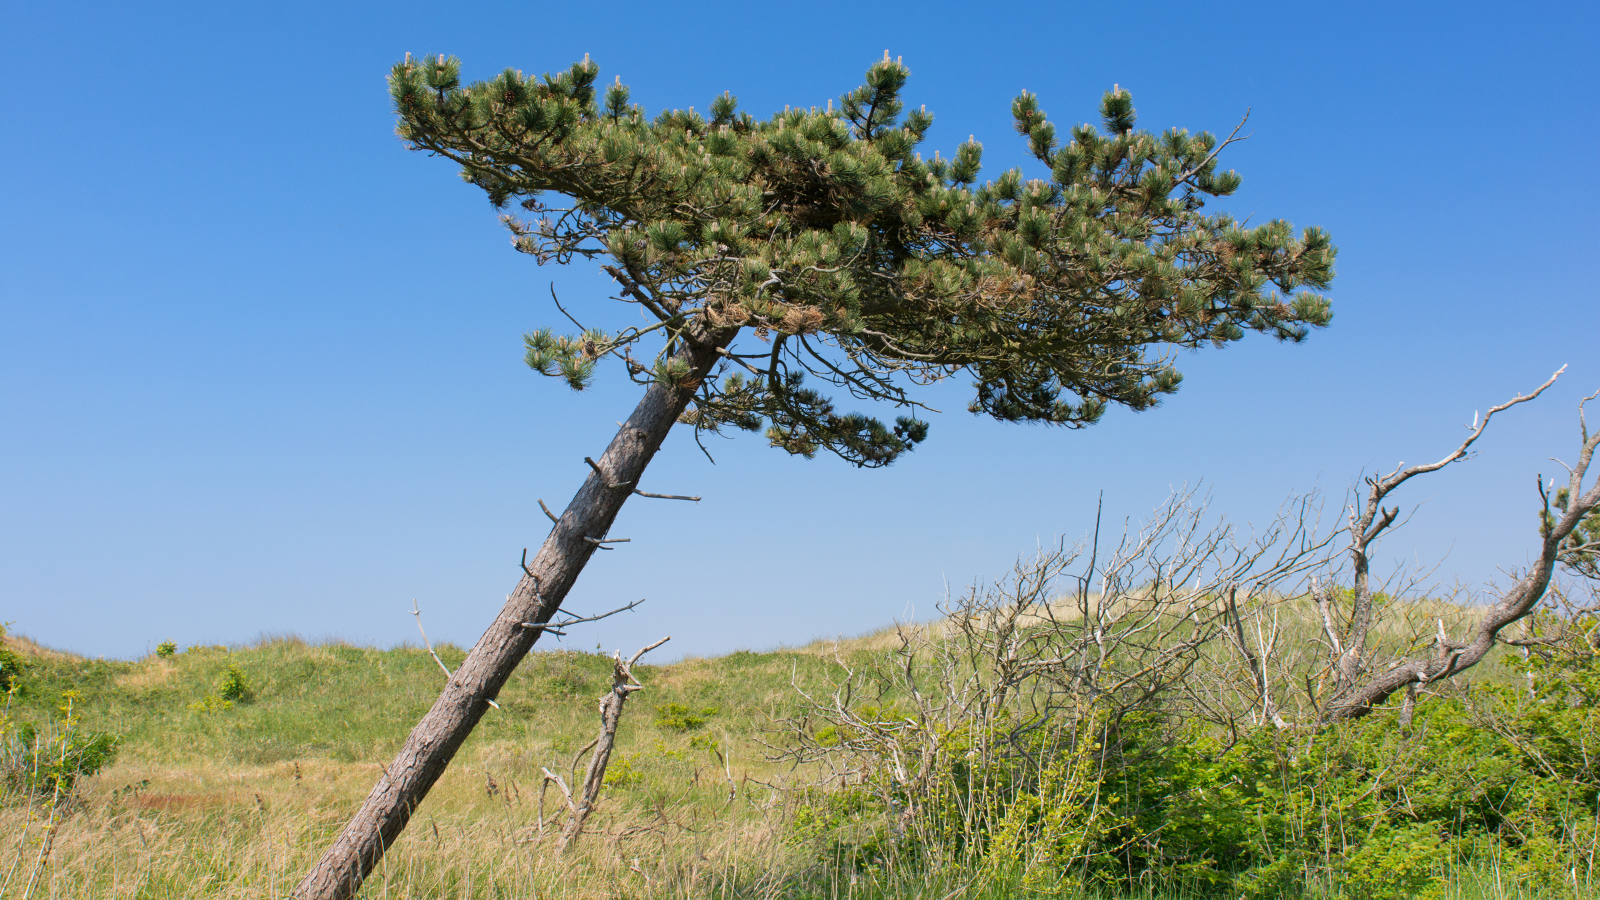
859 264
1581 551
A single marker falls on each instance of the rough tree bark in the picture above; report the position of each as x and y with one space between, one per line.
538 595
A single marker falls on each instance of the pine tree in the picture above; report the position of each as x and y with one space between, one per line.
819 249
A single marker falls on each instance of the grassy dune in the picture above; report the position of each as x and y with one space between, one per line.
233 802
205 801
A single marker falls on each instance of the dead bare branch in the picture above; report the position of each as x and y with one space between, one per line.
1449 657
415 611
623 684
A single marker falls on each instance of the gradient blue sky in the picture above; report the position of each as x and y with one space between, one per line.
260 367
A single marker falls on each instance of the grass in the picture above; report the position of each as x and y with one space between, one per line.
234 801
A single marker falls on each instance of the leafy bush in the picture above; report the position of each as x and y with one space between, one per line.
210 703
11 665
232 687
167 649
1153 798
621 772
1544 809
49 761
677 717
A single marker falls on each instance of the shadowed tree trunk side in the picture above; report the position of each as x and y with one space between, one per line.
547 578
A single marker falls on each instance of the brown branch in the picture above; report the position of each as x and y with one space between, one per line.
665 496
553 627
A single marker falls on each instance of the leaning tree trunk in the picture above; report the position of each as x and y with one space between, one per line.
545 582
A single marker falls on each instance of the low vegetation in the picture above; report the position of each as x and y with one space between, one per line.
212 795
793 773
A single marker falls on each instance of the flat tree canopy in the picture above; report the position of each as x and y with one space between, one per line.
859 263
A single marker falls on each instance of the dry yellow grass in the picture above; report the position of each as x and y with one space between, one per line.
236 804
195 808
252 833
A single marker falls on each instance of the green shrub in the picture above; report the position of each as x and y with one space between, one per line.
210 703
1499 776
232 687
621 772
167 649
11 666
677 717
49 761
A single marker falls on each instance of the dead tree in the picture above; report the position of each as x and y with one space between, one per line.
623 685
1357 688
1367 521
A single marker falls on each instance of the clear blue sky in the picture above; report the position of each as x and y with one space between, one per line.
260 367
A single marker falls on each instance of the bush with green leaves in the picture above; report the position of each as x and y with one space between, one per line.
232 686
47 761
11 665
1545 809
678 717
1154 798
622 773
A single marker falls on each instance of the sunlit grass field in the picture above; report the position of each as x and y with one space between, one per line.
209 800
213 801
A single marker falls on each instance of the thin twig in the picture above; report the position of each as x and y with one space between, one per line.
647 649
446 669
579 621
665 496
548 512
418 613
564 309
566 792
578 757
1232 138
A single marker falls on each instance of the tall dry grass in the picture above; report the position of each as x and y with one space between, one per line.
236 803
